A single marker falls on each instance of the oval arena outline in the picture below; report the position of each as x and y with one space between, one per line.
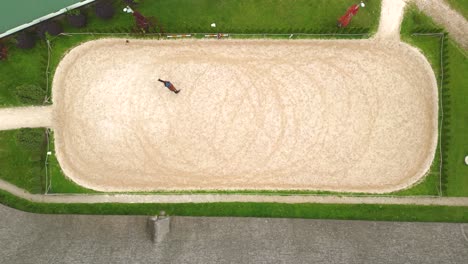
338 115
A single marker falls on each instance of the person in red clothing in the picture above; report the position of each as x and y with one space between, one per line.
169 86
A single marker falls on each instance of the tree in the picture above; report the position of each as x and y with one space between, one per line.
76 18
105 10
51 27
25 40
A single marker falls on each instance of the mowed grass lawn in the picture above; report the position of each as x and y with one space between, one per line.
257 16
22 67
22 163
457 118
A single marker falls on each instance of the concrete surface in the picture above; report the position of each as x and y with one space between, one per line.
32 238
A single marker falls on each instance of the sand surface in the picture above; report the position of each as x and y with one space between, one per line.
391 16
354 115
19 117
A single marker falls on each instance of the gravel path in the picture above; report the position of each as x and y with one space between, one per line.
451 20
19 117
213 198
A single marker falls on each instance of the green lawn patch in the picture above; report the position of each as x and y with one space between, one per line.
259 16
22 154
456 123
23 68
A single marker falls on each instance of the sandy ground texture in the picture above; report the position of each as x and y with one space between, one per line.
353 115
391 16
453 22
19 117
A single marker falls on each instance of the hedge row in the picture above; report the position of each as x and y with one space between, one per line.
445 81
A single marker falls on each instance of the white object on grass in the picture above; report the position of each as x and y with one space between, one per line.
362 4
49 152
466 160
213 24
127 9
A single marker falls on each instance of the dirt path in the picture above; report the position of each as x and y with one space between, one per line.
390 20
451 20
19 117
214 198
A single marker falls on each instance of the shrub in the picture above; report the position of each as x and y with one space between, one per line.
51 27
105 10
76 19
30 139
141 21
30 94
25 40
3 52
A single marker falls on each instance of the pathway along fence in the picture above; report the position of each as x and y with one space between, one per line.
443 80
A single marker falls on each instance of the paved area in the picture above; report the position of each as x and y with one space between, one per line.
32 238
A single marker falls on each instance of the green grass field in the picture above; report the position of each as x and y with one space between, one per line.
457 123
22 164
241 16
256 16
23 67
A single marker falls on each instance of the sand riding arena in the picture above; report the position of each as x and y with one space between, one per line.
349 115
